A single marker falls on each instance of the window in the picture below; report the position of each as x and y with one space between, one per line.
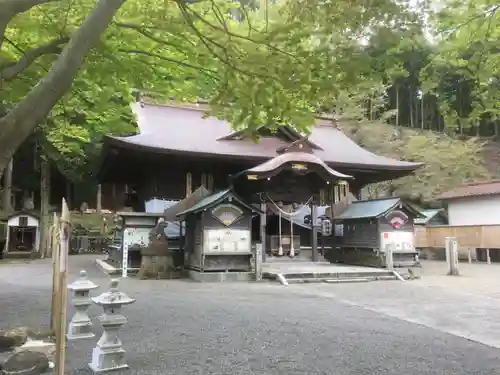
23 221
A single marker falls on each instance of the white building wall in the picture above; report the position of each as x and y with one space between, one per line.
14 221
475 211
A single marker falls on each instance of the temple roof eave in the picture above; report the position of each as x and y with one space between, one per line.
130 143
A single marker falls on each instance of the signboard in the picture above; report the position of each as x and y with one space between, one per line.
397 219
227 241
227 214
403 241
136 236
326 227
299 167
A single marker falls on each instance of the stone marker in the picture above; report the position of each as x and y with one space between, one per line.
80 326
108 355
26 363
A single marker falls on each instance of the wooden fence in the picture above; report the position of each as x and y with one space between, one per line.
89 244
473 236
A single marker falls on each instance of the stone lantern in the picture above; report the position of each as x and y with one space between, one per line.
80 326
108 355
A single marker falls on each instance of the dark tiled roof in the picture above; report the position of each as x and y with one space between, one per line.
374 208
212 200
368 209
428 215
175 129
170 214
475 189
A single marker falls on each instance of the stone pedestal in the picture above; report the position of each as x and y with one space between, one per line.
157 262
80 326
109 355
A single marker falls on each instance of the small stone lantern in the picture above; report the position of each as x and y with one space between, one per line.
80 326
108 355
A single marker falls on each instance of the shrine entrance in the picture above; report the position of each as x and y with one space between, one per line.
288 190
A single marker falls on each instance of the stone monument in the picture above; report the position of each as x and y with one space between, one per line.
109 355
80 326
157 261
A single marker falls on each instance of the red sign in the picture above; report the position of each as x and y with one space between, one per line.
397 219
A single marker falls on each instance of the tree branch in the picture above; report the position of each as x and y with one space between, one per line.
209 72
10 8
239 36
22 119
14 7
141 30
10 71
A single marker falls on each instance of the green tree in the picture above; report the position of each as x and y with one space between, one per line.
275 65
465 69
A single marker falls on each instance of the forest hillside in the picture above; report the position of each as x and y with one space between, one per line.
448 160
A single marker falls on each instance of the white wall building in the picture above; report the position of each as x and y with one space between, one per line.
474 204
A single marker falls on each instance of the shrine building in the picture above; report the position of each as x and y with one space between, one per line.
178 149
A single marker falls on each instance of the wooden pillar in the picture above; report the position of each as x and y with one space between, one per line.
314 228
210 183
263 223
99 199
189 184
44 206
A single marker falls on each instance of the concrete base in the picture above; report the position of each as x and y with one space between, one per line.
320 272
106 360
78 331
215 277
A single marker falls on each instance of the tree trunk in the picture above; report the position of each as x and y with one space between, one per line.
44 206
7 187
411 109
21 120
99 199
69 194
397 105
422 113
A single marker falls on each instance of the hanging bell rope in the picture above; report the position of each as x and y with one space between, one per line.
291 213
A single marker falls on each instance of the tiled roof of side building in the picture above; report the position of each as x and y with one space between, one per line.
475 189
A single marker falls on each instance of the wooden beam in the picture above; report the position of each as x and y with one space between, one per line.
65 232
189 184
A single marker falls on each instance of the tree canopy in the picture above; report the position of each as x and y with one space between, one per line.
69 68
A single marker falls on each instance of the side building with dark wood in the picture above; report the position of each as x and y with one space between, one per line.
366 228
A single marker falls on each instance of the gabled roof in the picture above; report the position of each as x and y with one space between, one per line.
428 215
213 200
372 209
24 213
475 189
170 214
174 129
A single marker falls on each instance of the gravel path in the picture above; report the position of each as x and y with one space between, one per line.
179 327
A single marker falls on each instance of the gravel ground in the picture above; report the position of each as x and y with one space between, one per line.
179 327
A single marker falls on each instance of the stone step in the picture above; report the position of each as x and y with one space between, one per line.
329 275
339 280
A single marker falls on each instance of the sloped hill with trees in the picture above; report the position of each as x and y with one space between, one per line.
448 160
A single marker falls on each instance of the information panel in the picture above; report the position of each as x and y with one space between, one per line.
403 241
227 241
